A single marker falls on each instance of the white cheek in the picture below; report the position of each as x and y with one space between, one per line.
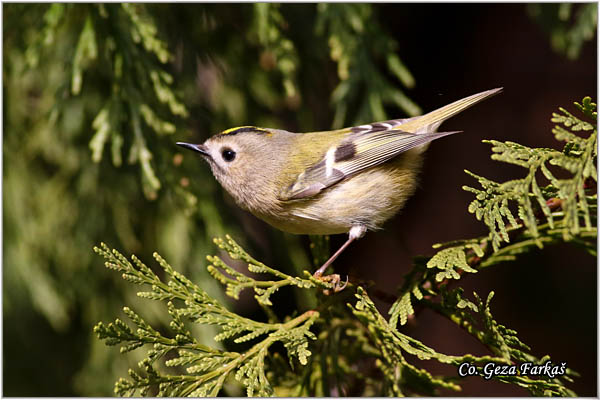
220 162
220 167
217 159
224 164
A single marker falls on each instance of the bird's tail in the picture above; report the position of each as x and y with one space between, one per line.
431 121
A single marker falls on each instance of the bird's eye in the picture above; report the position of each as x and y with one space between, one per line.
228 154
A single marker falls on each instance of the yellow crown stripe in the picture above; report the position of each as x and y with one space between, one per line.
228 131
246 128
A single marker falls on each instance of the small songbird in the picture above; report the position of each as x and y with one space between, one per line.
345 181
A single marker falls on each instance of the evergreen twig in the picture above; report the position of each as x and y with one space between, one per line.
563 210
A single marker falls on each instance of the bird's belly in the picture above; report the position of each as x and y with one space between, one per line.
368 198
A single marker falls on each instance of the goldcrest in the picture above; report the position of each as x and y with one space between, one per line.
345 181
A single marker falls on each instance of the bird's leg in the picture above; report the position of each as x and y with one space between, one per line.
318 273
356 232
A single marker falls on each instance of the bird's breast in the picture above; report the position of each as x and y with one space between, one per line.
368 198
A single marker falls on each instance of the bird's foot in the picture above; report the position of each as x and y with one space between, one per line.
334 279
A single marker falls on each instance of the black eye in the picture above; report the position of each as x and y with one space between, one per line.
228 154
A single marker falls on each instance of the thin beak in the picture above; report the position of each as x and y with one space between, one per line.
196 147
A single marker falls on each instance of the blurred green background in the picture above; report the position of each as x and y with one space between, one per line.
95 96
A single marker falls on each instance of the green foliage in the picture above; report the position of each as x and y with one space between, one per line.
313 339
279 50
120 43
446 260
207 368
356 44
565 210
235 281
95 94
577 205
568 25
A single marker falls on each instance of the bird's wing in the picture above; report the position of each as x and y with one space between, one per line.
363 148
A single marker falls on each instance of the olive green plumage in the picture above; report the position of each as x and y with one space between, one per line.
328 182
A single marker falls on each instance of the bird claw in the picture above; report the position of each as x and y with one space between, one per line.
339 288
335 280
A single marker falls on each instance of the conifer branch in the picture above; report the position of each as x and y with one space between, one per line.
354 42
120 41
325 346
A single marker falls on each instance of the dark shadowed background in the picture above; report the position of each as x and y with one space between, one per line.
59 203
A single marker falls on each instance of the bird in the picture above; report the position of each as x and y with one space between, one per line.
349 180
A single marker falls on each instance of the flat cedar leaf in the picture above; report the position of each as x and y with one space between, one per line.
447 260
